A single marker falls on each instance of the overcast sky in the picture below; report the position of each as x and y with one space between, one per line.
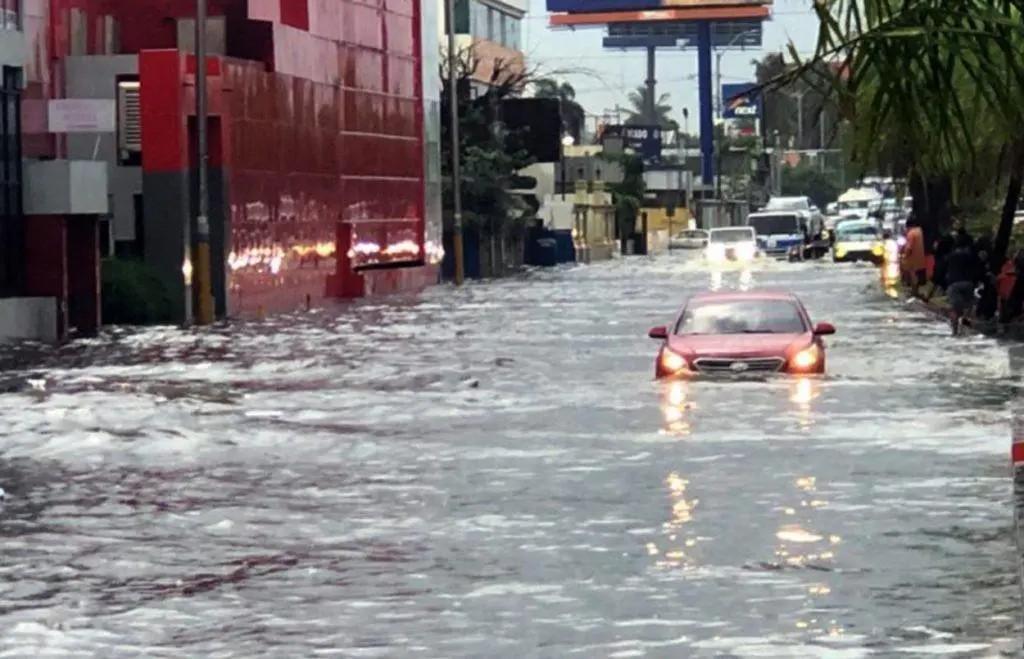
611 74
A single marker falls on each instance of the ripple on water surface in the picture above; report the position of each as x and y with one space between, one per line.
491 471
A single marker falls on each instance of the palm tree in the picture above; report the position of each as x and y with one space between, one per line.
638 114
573 115
932 86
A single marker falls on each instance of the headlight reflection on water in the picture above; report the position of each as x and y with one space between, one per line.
675 407
675 543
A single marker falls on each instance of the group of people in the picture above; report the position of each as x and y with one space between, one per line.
963 269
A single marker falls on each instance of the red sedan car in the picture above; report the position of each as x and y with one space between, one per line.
742 333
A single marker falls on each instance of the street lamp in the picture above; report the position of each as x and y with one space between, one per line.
567 141
719 52
799 96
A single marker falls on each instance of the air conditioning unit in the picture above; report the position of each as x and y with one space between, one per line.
129 122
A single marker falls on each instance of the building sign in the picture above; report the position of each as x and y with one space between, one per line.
645 140
741 101
82 115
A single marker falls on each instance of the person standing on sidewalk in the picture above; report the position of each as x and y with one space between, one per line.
962 270
913 259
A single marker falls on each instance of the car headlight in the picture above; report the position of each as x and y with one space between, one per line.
806 359
840 252
878 250
673 362
716 252
746 251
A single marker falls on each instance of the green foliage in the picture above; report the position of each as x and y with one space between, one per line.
629 194
809 181
573 115
662 109
133 294
488 152
931 89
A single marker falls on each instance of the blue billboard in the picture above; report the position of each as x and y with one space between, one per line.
741 101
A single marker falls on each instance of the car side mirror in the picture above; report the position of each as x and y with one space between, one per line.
660 333
824 329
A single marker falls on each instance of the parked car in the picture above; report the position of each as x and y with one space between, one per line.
692 239
732 244
740 334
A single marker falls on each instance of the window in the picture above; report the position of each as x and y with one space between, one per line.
502 29
514 26
742 317
478 20
129 123
11 14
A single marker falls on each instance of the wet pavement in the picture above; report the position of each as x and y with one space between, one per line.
492 472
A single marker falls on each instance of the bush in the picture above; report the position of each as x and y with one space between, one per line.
133 294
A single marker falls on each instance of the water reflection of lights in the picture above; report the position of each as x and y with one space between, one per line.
746 280
806 483
677 394
804 391
672 553
794 533
674 409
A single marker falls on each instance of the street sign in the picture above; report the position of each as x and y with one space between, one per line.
741 101
82 115
645 140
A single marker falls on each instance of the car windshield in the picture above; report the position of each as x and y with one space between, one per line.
768 225
853 205
692 234
860 230
784 204
742 317
738 235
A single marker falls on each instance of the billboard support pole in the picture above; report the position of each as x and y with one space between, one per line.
707 136
651 106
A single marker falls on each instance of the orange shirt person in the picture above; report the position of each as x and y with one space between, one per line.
913 259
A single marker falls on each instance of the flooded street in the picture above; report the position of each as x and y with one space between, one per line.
493 472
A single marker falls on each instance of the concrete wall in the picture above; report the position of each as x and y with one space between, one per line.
28 318
95 77
65 187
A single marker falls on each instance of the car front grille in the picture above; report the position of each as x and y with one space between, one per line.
739 366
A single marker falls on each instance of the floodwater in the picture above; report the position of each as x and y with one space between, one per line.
493 472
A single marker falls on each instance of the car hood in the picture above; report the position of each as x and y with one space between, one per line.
740 345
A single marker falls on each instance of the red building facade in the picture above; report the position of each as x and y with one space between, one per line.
324 177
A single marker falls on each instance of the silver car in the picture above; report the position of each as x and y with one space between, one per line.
692 239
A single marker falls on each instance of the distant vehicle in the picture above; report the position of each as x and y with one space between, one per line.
788 204
692 239
732 244
859 203
741 334
802 205
779 231
858 240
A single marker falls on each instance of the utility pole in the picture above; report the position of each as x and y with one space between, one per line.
799 96
201 255
650 108
453 106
